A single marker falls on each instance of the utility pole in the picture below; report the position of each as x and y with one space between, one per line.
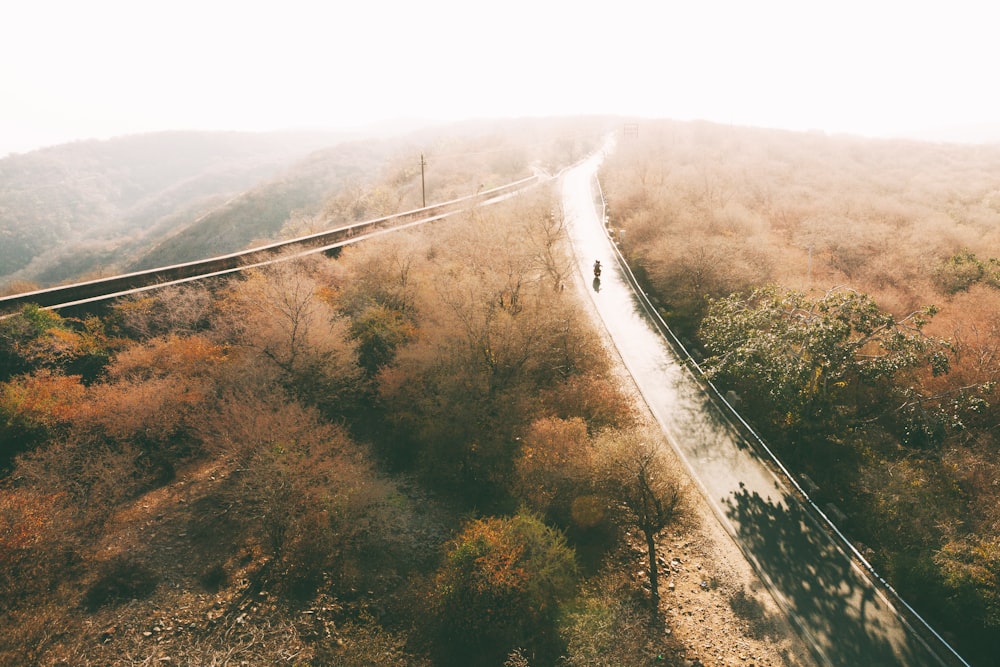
423 189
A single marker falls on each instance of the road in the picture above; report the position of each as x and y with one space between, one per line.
841 614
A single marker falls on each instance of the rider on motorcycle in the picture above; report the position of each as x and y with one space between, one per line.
597 269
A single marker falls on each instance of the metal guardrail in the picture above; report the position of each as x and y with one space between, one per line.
689 362
85 292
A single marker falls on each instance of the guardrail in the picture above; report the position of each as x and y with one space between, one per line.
106 288
689 362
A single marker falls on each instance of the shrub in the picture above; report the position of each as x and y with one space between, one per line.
499 589
959 272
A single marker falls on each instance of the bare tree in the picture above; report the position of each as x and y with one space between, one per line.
647 492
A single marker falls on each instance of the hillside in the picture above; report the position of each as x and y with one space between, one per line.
76 208
97 208
260 212
417 453
847 291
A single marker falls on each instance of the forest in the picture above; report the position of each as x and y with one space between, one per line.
847 290
414 452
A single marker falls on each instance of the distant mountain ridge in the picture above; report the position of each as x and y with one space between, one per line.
86 206
98 208
260 212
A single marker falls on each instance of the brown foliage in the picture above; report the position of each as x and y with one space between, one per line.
494 331
278 315
552 471
644 485
176 310
709 209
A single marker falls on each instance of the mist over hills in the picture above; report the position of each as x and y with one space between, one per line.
96 208
90 206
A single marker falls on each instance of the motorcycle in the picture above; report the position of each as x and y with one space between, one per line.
597 269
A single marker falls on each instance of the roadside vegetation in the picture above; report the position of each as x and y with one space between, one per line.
847 291
415 453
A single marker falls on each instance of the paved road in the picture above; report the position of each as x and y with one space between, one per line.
841 614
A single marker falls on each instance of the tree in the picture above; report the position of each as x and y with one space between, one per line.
500 588
36 338
648 494
551 468
959 272
801 361
971 570
373 286
277 315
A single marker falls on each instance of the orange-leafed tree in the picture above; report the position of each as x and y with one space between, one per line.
552 472
34 408
500 588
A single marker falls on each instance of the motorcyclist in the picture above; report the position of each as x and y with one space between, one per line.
597 268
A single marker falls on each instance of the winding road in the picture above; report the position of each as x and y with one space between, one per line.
844 617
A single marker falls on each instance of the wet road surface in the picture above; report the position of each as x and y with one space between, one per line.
845 619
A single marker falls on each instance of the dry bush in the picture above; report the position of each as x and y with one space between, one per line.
38 547
34 408
177 310
292 335
91 474
297 484
607 626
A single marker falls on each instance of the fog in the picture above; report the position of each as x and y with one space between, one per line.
72 71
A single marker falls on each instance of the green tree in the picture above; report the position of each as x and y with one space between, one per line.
959 272
36 338
971 570
499 589
803 362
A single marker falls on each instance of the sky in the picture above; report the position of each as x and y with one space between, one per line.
72 69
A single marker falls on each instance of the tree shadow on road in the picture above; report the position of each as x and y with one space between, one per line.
833 606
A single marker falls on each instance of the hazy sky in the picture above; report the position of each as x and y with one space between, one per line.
76 69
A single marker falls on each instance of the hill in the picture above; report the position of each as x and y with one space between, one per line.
95 208
260 212
69 210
